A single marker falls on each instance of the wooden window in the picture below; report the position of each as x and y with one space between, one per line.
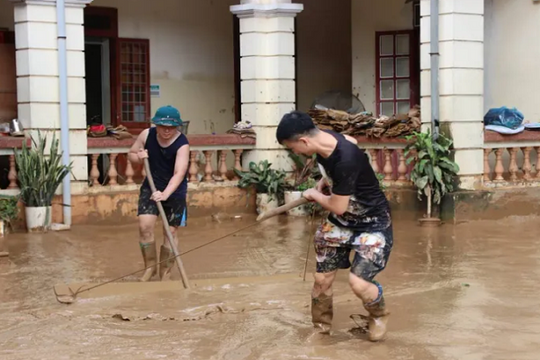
396 72
101 21
134 82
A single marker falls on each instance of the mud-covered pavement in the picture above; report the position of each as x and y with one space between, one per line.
459 292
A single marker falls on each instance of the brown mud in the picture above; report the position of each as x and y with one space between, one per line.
468 291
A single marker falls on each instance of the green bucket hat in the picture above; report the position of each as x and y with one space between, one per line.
167 116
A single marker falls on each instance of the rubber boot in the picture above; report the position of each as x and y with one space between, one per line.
165 267
149 254
378 317
322 312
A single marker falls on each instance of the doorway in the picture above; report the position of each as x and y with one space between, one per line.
97 81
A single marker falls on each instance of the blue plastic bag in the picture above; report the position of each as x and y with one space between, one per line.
503 116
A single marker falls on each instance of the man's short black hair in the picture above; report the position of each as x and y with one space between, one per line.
295 125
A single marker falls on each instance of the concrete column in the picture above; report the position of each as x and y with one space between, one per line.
461 76
38 79
268 85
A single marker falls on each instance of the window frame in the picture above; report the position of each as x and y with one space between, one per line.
413 79
120 119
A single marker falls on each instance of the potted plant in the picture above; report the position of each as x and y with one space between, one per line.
39 174
8 212
304 177
268 183
433 173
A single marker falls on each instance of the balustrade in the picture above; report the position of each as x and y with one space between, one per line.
115 169
511 164
391 163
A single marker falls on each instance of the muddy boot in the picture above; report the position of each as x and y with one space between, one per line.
378 317
149 254
165 267
322 312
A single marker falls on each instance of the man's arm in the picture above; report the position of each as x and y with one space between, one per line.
344 185
336 204
137 148
180 168
351 139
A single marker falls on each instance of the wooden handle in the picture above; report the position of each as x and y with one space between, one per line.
166 226
282 209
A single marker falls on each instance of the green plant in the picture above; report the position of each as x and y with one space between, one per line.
380 177
40 173
308 184
305 172
263 178
9 210
433 173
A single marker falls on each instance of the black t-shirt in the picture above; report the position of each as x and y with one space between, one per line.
351 174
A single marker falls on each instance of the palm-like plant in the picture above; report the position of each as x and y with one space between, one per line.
40 173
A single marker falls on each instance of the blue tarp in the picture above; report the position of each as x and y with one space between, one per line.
503 116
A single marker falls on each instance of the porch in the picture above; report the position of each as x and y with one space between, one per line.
254 63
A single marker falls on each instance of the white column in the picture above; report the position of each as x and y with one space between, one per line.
461 79
267 72
38 79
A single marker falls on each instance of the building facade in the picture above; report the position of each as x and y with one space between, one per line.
254 60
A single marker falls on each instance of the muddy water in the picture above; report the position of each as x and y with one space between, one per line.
464 292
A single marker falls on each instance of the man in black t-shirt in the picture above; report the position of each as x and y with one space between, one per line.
359 220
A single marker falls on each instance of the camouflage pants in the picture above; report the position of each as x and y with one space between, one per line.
333 246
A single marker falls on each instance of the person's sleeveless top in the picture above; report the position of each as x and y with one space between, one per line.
162 161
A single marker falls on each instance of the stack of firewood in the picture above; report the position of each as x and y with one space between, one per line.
366 124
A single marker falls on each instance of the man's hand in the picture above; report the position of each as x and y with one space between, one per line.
310 194
142 154
158 196
322 185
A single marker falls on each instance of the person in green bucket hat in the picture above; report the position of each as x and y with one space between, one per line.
168 152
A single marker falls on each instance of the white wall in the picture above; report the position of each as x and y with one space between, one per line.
191 46
191 55
512 53
323 49
368 17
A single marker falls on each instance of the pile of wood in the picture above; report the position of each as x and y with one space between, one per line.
366 124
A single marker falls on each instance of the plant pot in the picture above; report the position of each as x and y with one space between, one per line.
38 219
291 196
264 204
430 222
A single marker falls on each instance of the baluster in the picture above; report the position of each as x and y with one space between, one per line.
537 162
388 170
113 174
223 164
513 168
129 172
12 175
487 170
237 162
94 172
527 163
193 167
402 168
499 168
374 161
208 168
